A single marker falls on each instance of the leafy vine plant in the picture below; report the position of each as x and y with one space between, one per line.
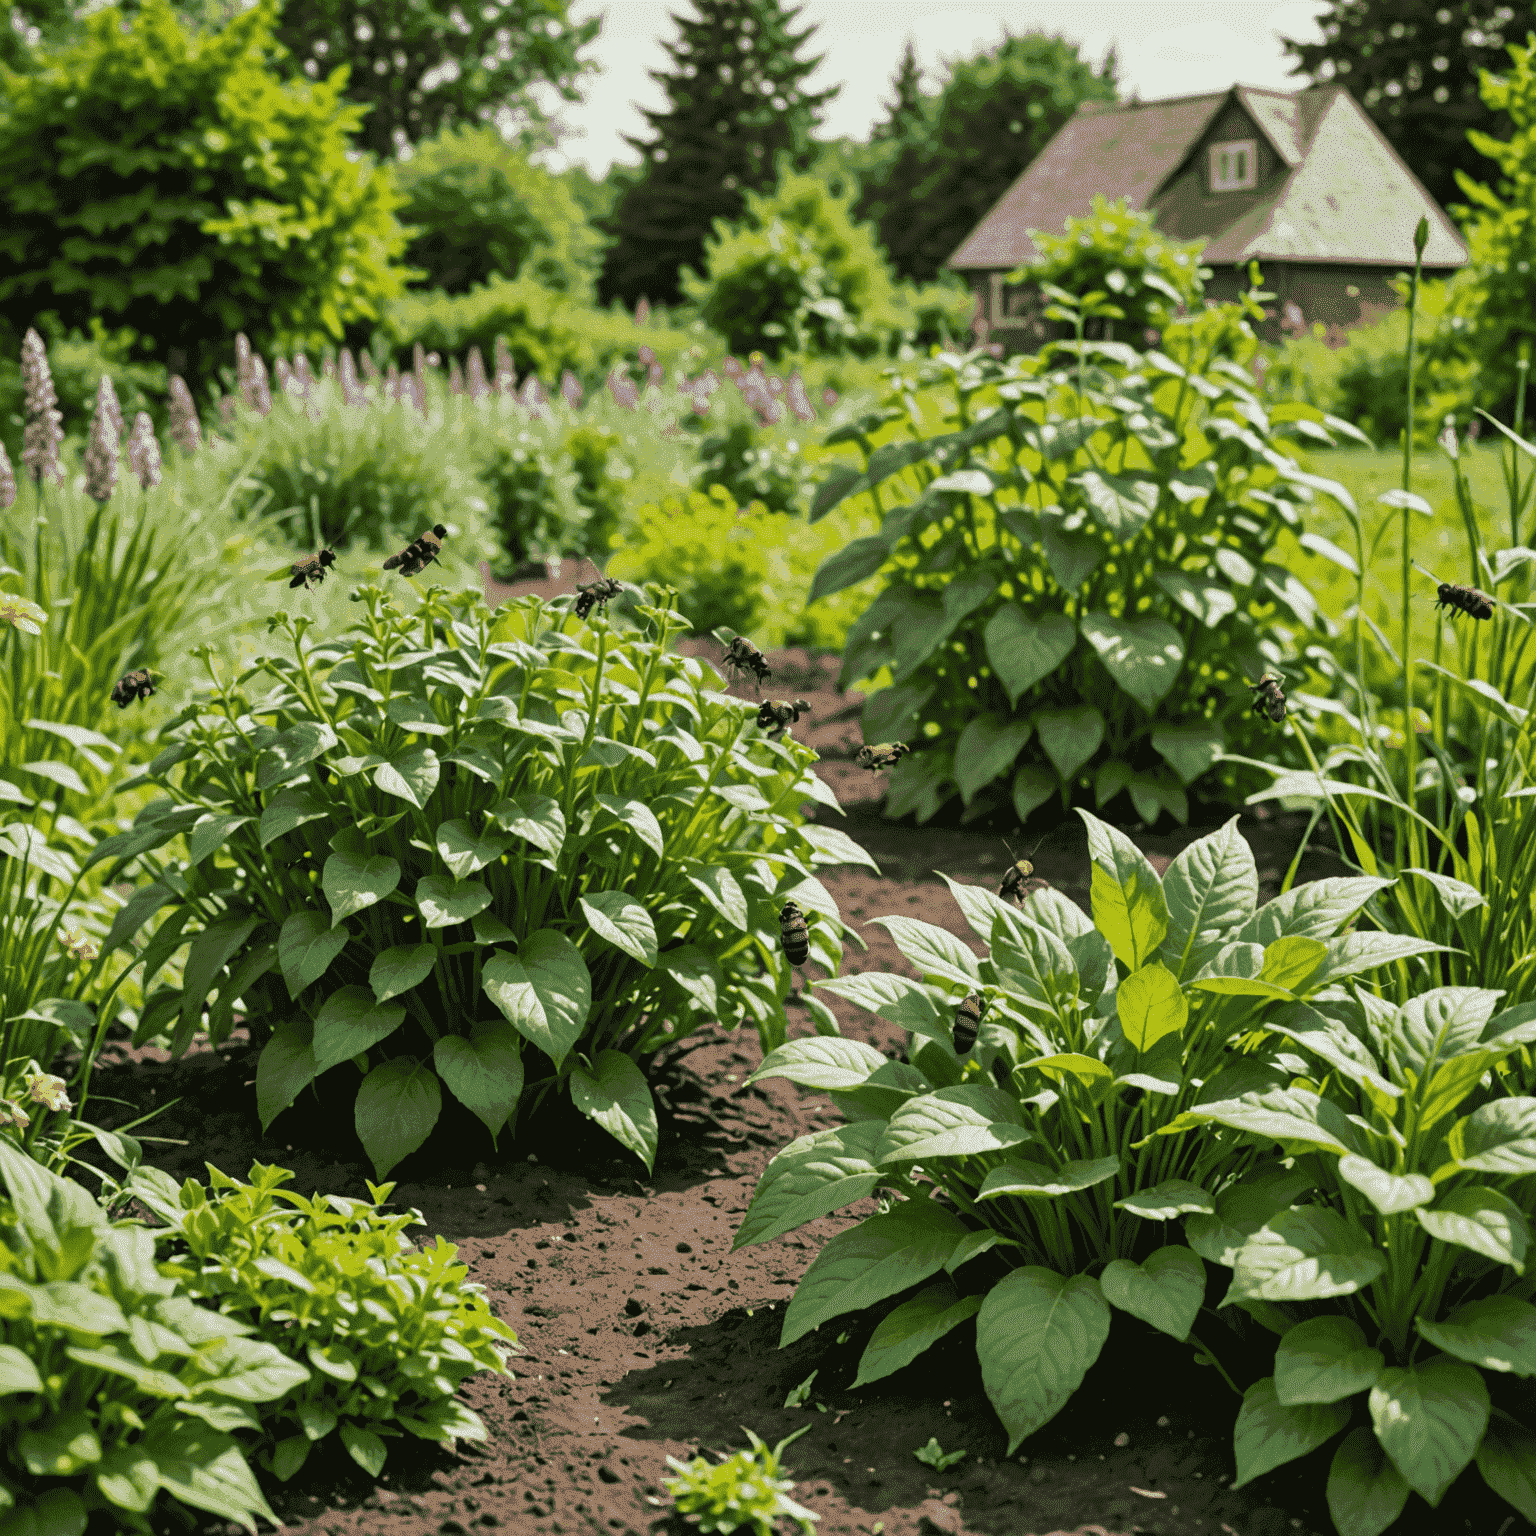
507 854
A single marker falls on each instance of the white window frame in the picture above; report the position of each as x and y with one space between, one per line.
997 319
1219 156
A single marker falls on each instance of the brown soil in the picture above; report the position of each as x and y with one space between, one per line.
644 1336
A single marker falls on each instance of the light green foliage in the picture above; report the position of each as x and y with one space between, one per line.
1078 565
531 493
1065 1111
389 1330
503 854
117 1387
740 1492
480 207
1119 252
748 569
190 193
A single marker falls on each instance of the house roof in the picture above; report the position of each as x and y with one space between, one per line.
1345 195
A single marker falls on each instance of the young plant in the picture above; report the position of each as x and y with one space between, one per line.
510 854
743 1491
117 1386
1015 1157
390 1330
1389 1251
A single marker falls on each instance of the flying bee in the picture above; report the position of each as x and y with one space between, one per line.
419 553
595 594
777 715
967 1022
312 568
1017 883
1269 697
134 685
886 755
742 656
1468 600
793 934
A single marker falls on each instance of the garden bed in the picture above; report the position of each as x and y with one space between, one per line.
644 1336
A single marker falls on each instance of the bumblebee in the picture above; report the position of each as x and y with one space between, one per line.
419 553
777 715
1269 697
595 594
967 1022
793 934
312 569
1017 883
131 686
1468 600
742 656
886 755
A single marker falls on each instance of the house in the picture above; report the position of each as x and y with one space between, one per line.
1303 182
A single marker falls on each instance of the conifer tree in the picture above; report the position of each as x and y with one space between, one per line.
737 103
904 115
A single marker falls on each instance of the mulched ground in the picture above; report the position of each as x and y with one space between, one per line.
644 1336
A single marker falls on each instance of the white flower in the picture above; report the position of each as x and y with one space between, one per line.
44 1088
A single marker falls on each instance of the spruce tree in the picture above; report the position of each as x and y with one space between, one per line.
737 103
904 115
1414 65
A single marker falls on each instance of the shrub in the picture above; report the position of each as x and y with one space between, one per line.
1078 573
481 208
389 1330
190 194
504 853
95 1416
532 495
1009 1156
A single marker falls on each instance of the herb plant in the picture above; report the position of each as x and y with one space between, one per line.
740 1492
1079 568
1015 1159
389 1330
509 854
116 1386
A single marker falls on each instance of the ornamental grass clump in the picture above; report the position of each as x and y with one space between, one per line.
507 854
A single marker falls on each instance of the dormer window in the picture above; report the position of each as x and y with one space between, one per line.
1234 165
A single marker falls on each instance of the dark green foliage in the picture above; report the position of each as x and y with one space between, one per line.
187 193
753 471
481 207
499 50
532 506
955 157
1414 65
903 117
736 104
601 478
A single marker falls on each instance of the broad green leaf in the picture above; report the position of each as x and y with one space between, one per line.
135 912
17 1372
1129 908
821 1061
399 969
1167 1201
1029 1179
364 1447
204 1467
411 775
1242 1210
355 880
883 1255
1088 1070
465 853
1190 750
897 998
1506 1457
289 809
1456 896
813 1176
535 818
350 1022
1166 1290
1070 737
125 1477
1036 1336
1293 962
1429 1418
305 948
617 1097
1035 965
986 750
284 1069
1388 1192
1072 554
210 833
1025 650
1211 888
1316 909
1485 1220
1150 1006
417 715
1366 1493
1033 785
1304 1255
1142 655
638 817
913 1327
1209 600
544 991
397 1106
1324 1360
933 951
966 1120
444 903
287 753
720 889
1279 1114
833 846
1497 1333
1269 1433
210 951
855 562
1122 506
1440 1024
1499 1137
617 917
694 970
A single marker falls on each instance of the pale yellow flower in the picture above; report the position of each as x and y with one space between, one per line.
14 1114
43 1088
21 614
80 945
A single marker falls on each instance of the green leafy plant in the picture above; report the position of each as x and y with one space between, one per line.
1389 1251
935 1456
507 853
533 504
741 1491
390 1330
1013 1160
117 1386
1079 573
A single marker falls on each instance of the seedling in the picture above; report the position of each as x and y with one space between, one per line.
934 1455
742 1492
801 1395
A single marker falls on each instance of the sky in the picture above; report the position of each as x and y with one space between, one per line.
1166 48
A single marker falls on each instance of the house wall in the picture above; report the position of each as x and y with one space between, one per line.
1187 209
